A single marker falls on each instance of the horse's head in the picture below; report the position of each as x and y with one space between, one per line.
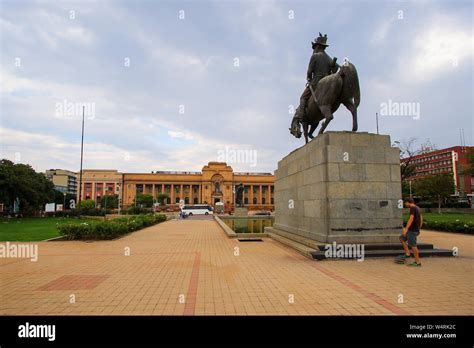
295 128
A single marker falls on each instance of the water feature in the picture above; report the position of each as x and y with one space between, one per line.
248 224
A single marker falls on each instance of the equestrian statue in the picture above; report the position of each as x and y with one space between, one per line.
328 86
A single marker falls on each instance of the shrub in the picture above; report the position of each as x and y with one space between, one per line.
109 229
427 205
88 212
75 231
61 214
137 210
444 205
87 204
457 205
449 226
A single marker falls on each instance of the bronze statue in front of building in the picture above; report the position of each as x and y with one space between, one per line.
239 195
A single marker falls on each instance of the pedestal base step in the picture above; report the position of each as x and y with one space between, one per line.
384 246
320 255
310 243
316 250
301 248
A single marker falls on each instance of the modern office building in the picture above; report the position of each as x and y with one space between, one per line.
452 160
63 180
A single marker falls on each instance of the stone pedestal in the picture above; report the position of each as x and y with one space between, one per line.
241 211
343 187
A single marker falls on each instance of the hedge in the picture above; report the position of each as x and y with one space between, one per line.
137 210
449 226
443 205
109 229
101 212
83 211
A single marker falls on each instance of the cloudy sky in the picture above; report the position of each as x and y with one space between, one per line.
172 85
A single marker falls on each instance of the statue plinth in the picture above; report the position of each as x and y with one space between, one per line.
341 187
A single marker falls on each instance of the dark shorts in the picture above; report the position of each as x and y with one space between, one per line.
410 238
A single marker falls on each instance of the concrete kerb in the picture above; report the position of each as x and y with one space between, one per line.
227 230
231 234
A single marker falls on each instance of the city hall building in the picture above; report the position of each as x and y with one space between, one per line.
215 183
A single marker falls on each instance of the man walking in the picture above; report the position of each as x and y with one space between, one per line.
411 232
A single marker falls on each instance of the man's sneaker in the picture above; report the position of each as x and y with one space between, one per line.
414 264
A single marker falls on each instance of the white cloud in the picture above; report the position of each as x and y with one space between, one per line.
262 21
11 28
381 31
174 59
184 135
22 93
43 27
48 151
77 34
436 50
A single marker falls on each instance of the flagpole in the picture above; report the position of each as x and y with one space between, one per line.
82 154
377 121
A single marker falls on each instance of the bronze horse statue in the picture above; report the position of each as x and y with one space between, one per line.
341 87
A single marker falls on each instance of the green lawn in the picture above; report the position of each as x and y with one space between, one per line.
445 217
32 229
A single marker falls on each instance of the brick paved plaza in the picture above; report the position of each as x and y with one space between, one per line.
190 267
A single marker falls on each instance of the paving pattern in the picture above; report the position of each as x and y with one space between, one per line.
190 267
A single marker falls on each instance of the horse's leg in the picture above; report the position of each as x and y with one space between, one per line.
305 130
312 129
326 111
353 109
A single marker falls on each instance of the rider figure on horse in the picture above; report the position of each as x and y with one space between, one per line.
320 65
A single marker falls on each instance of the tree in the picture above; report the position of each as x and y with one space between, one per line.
60 198
469 170
144 200
87 204
427 147
112 202
406 191
407 152
21 181
162 198
439 186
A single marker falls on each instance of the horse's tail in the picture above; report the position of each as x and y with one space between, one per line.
350 87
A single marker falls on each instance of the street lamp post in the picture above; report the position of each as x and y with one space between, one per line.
64 201
105 194
233 196
119 197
